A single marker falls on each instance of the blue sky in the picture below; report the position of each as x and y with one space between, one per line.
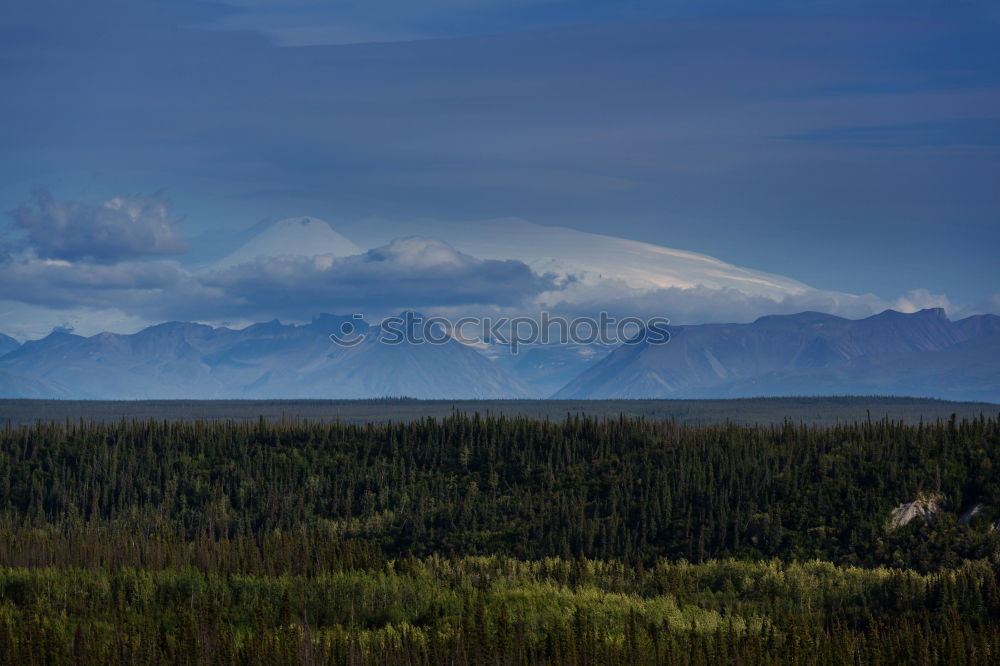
852 146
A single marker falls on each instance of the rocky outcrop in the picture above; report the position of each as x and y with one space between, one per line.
976 509
926 506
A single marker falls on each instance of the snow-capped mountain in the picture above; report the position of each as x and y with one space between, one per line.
295 236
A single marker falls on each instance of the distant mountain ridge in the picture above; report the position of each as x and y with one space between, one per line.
266 360
810 353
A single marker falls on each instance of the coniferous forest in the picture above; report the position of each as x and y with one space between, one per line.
498 540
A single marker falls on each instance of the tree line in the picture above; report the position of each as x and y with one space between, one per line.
630 489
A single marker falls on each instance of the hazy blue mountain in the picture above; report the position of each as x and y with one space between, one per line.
921 354
18 386
373 367
547 368
184 360
810 353
7 344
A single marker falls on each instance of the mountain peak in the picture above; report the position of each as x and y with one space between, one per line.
7 344
807 317
294 236
328 318
59 333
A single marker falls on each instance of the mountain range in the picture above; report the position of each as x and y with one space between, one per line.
919 354
266 360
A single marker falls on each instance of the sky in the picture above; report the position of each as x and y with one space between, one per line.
854 147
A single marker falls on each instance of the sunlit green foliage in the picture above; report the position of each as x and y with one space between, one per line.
500 610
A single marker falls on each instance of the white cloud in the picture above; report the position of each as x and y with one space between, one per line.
419 252
920 299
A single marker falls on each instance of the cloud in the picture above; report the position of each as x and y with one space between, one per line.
920 299
308 22
97 258
702 305
418 252
411 273
406 273
114 231
990 305
315 22
61 284
668 131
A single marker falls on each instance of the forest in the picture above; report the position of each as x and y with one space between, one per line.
477 539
